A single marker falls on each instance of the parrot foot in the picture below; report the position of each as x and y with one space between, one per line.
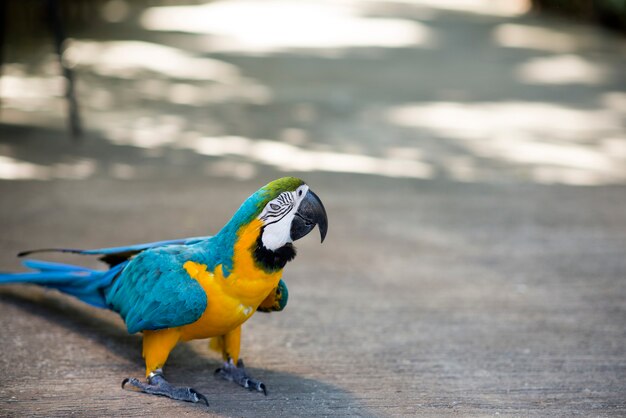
157 385
239 375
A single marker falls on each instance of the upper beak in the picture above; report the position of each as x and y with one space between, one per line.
310 213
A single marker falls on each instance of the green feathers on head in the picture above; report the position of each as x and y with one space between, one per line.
276 187
253 205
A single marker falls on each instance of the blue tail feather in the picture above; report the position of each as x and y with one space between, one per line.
50 266
81 282
86 284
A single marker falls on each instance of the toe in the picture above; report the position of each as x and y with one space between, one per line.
133 384
239 375
256 385
197 397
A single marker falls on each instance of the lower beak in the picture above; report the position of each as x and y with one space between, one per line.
310 213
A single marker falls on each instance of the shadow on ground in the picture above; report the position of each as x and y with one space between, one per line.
186 366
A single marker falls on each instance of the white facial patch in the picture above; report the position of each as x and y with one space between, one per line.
278 215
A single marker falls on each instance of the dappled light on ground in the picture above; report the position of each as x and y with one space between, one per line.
286 157
562 69
240 155
21 90
166 68
506 8
278 25
554 144
485 120
128 59
155 72
534 37
468 90
13 169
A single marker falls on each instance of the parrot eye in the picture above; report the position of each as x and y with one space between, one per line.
300 192
278 208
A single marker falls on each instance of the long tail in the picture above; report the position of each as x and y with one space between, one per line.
81 282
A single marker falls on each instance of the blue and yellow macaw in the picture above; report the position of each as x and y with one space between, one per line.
204 287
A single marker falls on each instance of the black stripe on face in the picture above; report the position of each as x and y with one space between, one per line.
278 208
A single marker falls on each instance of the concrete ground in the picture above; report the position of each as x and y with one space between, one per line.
472 161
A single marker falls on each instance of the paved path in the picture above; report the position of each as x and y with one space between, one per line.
475 258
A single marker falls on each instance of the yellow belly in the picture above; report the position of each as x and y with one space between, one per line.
230 301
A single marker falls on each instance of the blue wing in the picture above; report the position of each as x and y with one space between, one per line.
117 255
154 291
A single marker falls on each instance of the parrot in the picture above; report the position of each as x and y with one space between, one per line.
194 288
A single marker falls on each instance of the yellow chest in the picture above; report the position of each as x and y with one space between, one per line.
230 300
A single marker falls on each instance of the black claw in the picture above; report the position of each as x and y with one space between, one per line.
135 385
197 396
201 397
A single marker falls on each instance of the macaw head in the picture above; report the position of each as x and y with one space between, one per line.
280 212
268 222
289 210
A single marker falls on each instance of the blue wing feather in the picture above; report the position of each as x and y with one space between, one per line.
124 249
154 291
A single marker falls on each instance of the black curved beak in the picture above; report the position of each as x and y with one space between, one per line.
310 213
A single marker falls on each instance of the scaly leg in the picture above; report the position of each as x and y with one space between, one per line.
157 346
233 368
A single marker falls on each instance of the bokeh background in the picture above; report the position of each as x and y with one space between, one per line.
471 155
